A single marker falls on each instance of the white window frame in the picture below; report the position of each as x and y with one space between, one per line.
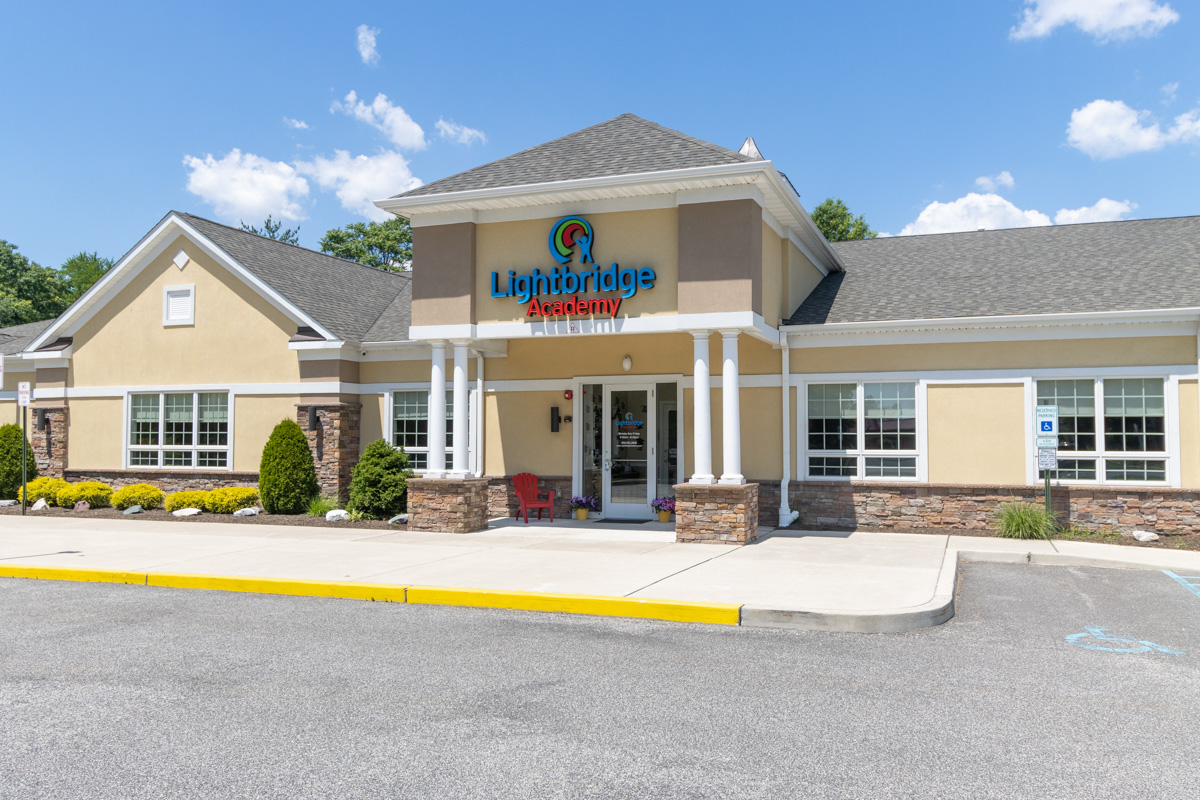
1101 454
861 453
472 423
190 289
194 448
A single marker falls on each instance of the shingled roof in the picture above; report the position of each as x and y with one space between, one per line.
1100 266
16 338
624 145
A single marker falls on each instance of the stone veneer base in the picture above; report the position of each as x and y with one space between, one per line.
717 514
189 480
448 505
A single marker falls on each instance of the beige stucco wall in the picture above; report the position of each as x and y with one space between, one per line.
254 417
772 275
94 426
373 425
1189 434
977 434
762 440
632 239
237 337
566 357
517 435
802 278
1116 352
400 371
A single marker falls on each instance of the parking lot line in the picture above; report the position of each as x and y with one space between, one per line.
1189 582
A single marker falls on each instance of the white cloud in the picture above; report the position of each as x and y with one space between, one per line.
243 186
1104 210
393 121
298 124
359 180
1105 20
1109 129
366 44
459 133
972 212
1170 92
989 182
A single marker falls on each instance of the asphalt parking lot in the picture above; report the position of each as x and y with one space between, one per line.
126 691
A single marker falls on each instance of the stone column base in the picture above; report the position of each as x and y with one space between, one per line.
334 443
716 513
448 505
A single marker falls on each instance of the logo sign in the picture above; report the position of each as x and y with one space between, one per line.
1046 442
1047 459
629 423
568 235
1045 420
23 394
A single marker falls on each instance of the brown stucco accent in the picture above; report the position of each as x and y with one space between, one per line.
331 369
443 274
720 257
53 378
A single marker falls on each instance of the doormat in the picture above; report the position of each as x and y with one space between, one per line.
621 522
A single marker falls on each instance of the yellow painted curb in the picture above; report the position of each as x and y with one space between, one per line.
71 574
345 591
669 610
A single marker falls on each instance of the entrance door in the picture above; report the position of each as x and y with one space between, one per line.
629 459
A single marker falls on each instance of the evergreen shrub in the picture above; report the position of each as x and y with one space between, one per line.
287 479
231 498
138 494
197 498
97 494
379 482
47 488
11 438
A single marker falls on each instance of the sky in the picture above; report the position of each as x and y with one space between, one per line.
923 116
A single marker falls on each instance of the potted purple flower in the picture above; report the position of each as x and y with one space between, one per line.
665 506
582 505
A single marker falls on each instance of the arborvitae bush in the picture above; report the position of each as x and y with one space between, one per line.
10 461
287 479
379 482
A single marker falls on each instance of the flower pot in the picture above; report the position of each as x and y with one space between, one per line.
581 513
664 516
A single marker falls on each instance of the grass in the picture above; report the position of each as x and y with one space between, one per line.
1025 521
1105 535
320 506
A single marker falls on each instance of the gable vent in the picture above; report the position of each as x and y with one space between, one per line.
179 305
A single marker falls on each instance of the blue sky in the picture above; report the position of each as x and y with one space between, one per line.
924 116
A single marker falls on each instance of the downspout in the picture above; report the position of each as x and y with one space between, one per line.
786 515
478 414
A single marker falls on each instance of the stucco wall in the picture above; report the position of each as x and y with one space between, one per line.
977 434
1189 434
254 417
94 426
802 278
517 435
772 275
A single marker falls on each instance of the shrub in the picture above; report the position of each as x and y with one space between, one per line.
1025 521
320 506
11 439
287 479
97 494
379 482
230 499
137 494
187 499
45 487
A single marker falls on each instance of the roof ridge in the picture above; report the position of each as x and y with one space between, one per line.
689 138
383 311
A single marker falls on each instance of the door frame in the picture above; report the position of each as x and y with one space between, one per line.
630 510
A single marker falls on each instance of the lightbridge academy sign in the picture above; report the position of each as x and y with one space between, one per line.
566 236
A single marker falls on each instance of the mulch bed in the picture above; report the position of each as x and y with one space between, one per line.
161 515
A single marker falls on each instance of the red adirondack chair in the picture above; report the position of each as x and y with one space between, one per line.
526 486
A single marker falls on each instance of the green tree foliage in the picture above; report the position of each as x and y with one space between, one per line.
287 479
383 245
28 291
379 482
275 230
836 222
82 270
11 438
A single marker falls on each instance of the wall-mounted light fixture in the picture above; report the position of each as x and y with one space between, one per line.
41 419
627 363
554 419
312 418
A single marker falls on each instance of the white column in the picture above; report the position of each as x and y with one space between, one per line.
731 411
461 405
437 412
702 415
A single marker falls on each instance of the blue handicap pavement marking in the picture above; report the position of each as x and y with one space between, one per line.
1103 641
1189 582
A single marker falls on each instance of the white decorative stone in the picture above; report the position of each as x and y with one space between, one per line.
1145 536
337 515
7 503
181 259
133 510
399 519
185 512
39 505
246 512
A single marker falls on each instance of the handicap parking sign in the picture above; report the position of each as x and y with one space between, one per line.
1045 421
1047 426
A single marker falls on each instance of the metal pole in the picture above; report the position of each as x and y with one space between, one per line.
24 457
1049 513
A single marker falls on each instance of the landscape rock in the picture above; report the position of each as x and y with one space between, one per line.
1145 536
83 505
337 515
185 512
39 505
399 519
133 510
246 512
7 503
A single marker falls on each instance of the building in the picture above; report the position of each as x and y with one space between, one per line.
629 312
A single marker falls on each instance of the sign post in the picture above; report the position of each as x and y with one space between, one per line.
1045 431
23 402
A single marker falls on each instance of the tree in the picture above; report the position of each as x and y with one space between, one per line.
379 481
272 230
836 222
28 291
82 270
287 477
11 439
383 245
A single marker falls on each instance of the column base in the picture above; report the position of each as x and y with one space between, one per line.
720 514
702 480
732 480
448 505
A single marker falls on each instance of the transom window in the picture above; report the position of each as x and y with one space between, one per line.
179 430
1126 442
410 427
862 430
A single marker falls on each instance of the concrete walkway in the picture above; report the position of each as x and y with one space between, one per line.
831 581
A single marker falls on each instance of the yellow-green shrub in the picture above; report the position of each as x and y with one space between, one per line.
137 494
188 499
97 494
45 487
231 498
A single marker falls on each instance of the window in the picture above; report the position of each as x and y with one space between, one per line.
1125 442
862 430
410 427
179 305
179 430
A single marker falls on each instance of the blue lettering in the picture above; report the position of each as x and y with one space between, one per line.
645 278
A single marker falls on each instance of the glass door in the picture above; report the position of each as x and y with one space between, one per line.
629 452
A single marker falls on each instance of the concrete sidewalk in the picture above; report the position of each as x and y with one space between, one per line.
827 581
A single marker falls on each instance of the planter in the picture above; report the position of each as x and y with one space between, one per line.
664 516
581 513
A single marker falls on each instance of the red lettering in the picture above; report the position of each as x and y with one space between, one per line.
535 309
557 309
569 306
614 303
